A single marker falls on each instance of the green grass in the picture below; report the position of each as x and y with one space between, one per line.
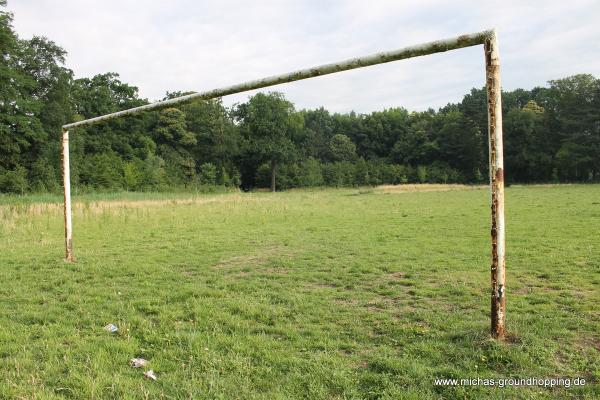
329 294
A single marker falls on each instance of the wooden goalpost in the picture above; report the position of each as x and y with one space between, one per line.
486 38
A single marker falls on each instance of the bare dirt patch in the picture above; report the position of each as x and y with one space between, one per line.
275 271
512 338
395 276
256 262
398 276
380 303
242 261
589 342
522 290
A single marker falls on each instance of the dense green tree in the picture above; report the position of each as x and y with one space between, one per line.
310 173
459 142
269 122
474 107
175 143
171 129
217 138
208 174
380 131
43 62
102 94
525 158
417 145
342 148
318 129
102 170
133 174
577 120
21 132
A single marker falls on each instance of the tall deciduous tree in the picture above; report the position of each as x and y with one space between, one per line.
342 148
268 122
21 132
217 138
175 142
578 125
459 142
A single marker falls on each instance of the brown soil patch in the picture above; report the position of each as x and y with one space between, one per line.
590 342
512 338
521 291
275 271
255 260
242 261
396 275
380 304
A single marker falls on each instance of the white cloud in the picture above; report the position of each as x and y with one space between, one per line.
199 45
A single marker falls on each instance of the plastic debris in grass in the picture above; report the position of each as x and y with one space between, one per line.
150 375
138 362
112 328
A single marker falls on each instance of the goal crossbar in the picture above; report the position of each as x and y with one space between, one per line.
437 46
487 38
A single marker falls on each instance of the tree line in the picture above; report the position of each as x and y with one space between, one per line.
551 134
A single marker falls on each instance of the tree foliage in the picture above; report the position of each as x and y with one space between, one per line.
342 148
268 123
551 133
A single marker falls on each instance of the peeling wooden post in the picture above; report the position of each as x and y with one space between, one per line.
494 95
66 171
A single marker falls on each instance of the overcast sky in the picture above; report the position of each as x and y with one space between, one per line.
162 46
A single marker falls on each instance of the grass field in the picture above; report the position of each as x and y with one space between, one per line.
325 294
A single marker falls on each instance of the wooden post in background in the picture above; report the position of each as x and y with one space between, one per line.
66 172
494 99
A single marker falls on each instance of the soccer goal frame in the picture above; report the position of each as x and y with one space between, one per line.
486 38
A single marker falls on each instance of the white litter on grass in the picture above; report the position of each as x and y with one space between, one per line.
150 375
138 362
112 328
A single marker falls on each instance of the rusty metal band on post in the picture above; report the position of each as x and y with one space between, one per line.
437 46
494 89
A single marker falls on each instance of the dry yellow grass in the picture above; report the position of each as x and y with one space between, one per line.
11 211
99 206
427 187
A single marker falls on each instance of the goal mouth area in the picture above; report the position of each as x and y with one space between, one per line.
487 38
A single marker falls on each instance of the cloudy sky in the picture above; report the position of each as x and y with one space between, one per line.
198 45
